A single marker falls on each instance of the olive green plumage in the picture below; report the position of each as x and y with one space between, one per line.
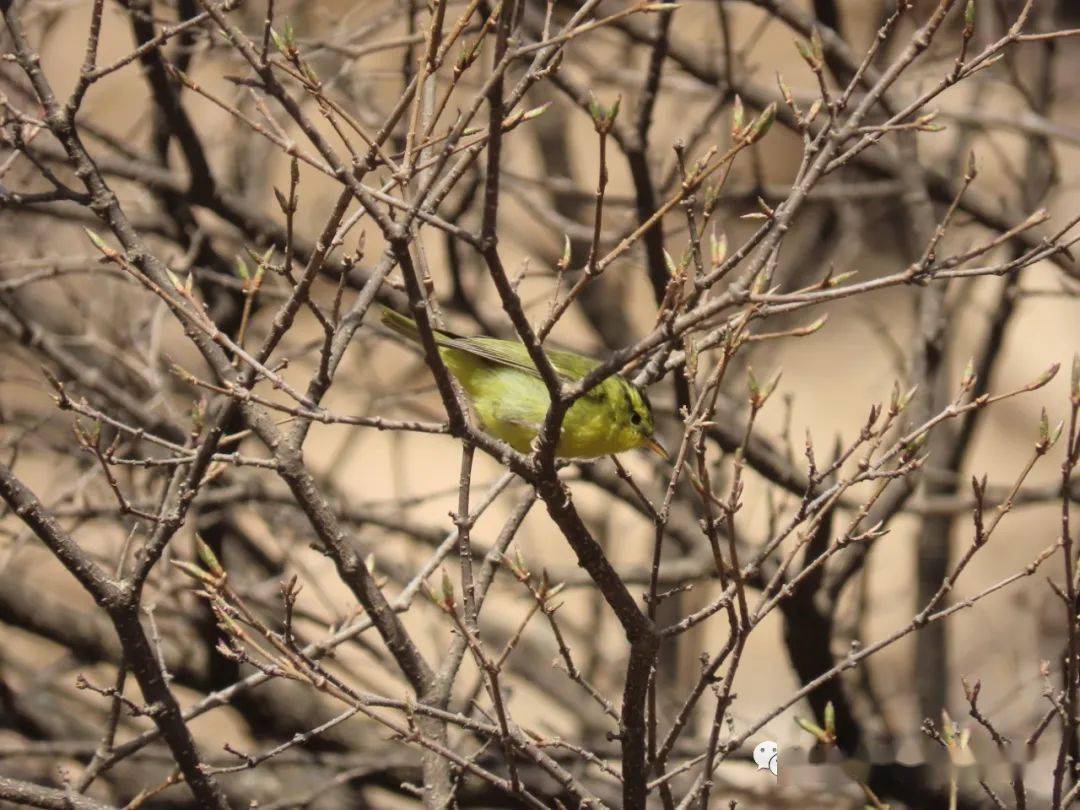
511 400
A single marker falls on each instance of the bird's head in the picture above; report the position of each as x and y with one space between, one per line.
639 420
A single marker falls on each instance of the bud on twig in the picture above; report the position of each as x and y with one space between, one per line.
99 243
820 734
1046 376
968 378
817 45
195 572
763 124
718 247
911 448
737 114
785 91
604 117
209 558
564 260
805 53
759 394
447 591
900 400
670 264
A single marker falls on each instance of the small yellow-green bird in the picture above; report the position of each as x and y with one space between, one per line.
511 400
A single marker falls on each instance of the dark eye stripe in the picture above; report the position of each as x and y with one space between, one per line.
628 391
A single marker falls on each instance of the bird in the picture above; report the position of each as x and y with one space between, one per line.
511 400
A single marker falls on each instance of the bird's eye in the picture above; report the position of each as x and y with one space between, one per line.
635 418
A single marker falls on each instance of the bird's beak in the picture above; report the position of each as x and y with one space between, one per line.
657 448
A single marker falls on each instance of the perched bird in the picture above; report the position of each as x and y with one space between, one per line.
511 400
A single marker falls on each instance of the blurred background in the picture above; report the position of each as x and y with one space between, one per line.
87 322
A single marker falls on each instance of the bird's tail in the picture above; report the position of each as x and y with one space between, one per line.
406 327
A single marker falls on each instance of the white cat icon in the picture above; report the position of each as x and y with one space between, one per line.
765 755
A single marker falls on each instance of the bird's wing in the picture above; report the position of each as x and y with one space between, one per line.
512 354
500 352
573 367
569 366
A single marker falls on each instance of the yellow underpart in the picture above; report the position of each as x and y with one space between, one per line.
511 405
